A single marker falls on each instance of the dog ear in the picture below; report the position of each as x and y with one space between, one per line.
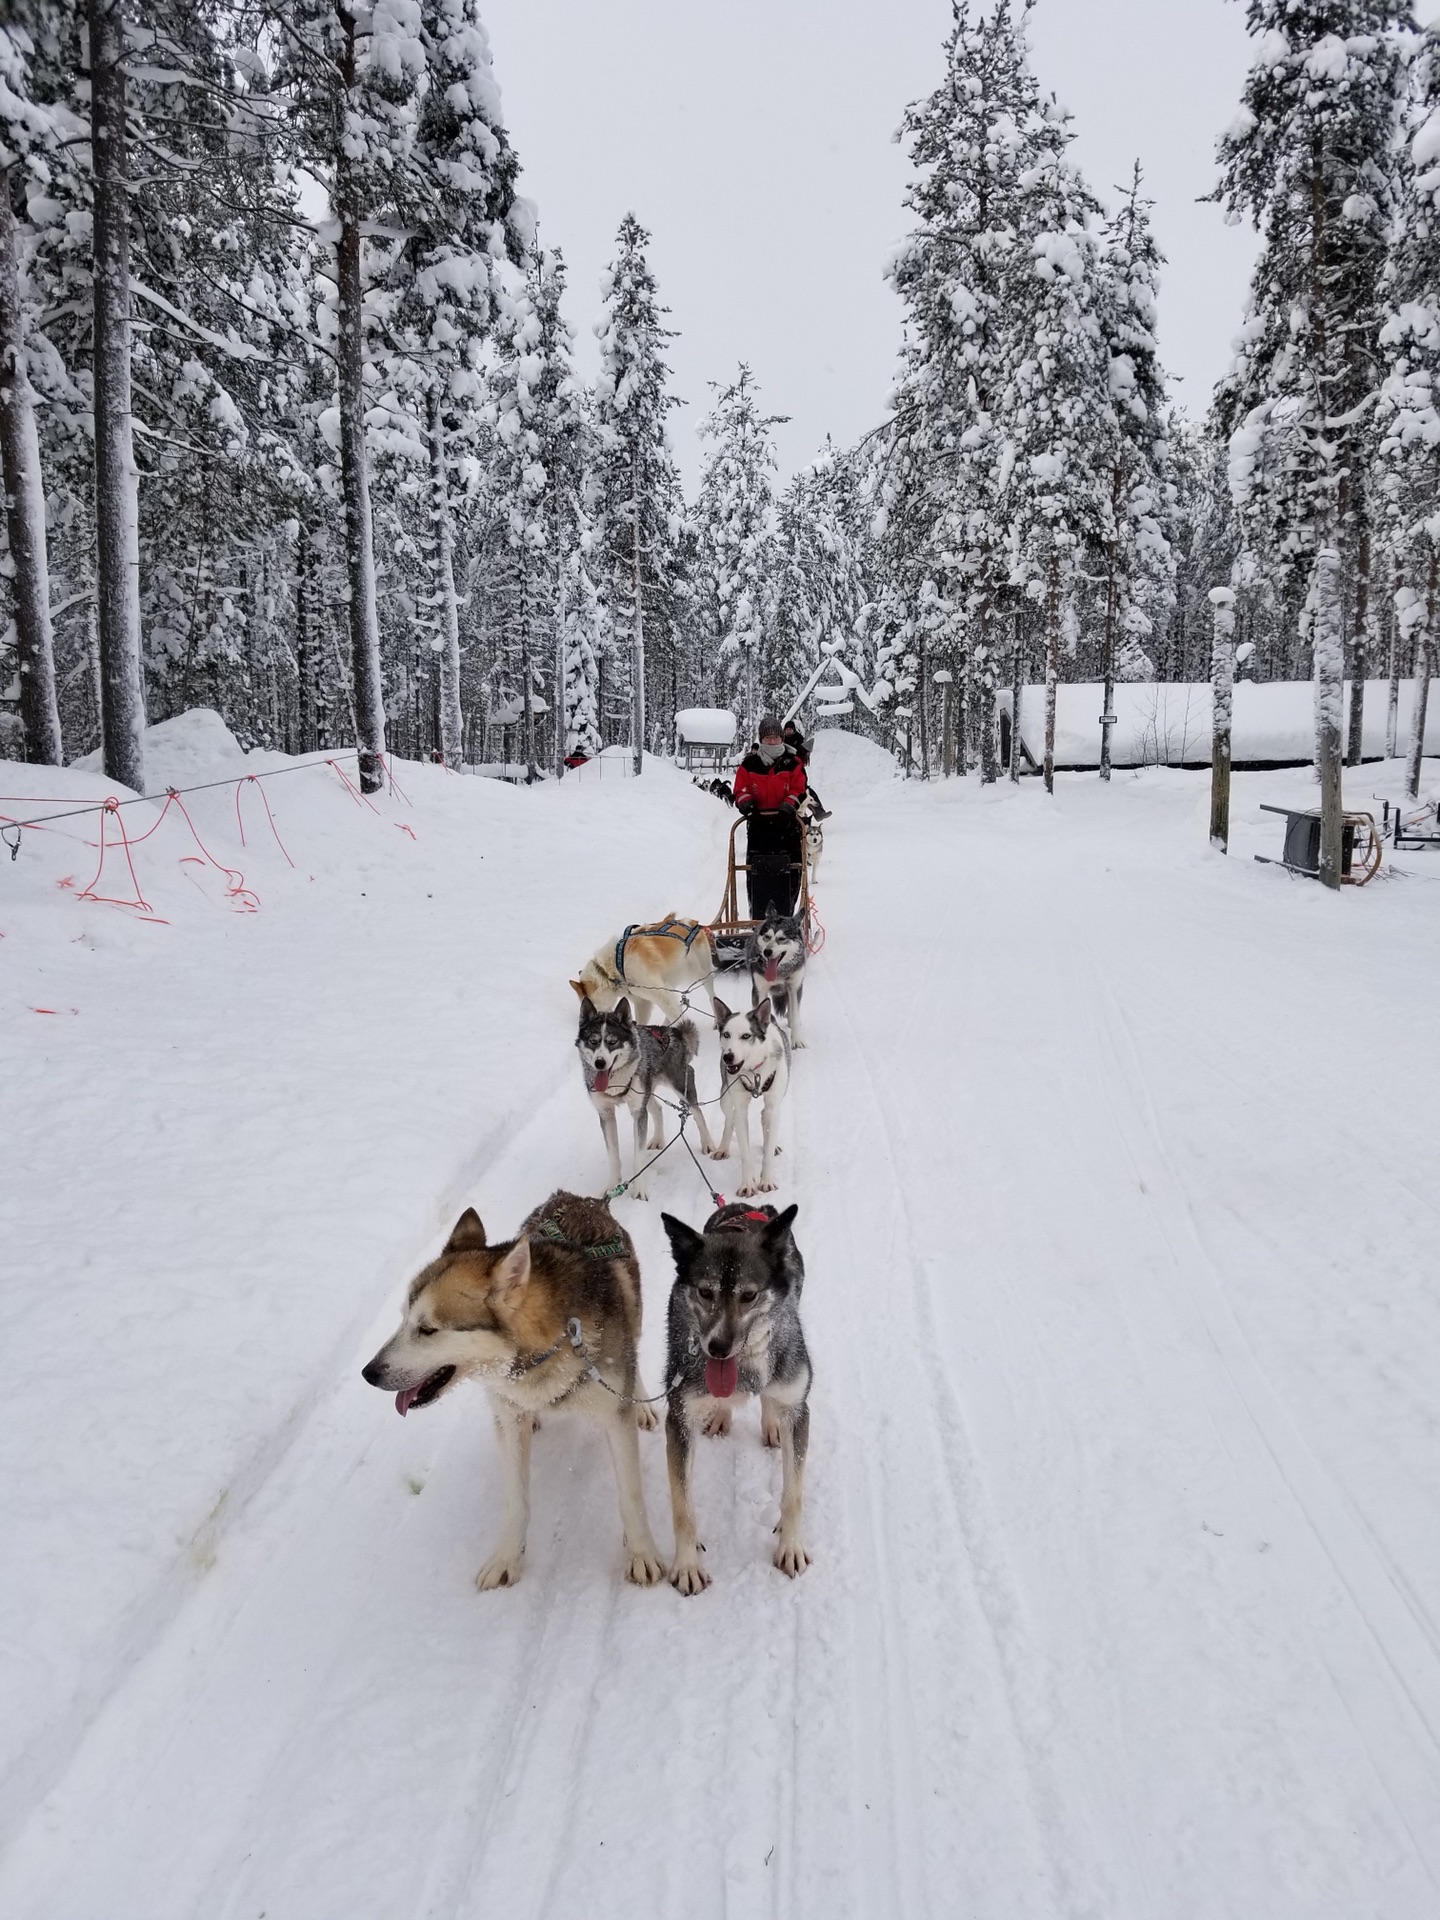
722 1013
468 1235
513 1271
685 1242
581 988
622 1010
778 1229
761 1011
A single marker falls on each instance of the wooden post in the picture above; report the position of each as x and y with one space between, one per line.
945 680
1017 695
1424 641
1222 681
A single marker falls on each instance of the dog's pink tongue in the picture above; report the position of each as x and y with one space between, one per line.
720 1377
772 971
403 1399
602 1081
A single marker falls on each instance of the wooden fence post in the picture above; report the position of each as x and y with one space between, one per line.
1222 680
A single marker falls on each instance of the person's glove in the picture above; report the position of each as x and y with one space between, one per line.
745 804
790 804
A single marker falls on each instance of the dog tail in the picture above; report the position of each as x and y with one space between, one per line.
685 1033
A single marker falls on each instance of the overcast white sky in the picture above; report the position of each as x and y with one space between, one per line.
753 139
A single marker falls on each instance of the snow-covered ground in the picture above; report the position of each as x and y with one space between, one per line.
1119 1201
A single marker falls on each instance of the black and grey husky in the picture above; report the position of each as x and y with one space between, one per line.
624 1065
775 955
735 1329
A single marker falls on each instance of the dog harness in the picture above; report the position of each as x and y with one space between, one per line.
665 930
608 1250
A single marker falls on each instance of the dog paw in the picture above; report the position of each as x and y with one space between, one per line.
770 1435
791 1558
797 1044
759 1186
689 1577
719 1153
500 1570
643 1565
638 1193
646 1419
717 1422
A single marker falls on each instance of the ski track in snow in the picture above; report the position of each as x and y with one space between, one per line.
1121 1492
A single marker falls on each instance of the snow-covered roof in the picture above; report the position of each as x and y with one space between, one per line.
511 711
705 726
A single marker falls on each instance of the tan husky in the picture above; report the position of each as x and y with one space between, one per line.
667 965
548 1322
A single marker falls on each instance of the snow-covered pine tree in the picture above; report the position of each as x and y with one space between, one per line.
445 271
734 516
1309 159
634 468
27 129
1408 466
354 75
1139 565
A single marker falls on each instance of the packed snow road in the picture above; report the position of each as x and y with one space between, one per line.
1120 1208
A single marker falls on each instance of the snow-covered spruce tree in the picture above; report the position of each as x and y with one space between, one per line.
582 621
1054 416
536 476
444 272
354 75
994 450
634 468
818 589
27 129
1308 159
734 515
1139 564
1408 467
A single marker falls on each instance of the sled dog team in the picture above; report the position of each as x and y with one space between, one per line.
550 1321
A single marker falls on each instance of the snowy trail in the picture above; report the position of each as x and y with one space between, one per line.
1122 1492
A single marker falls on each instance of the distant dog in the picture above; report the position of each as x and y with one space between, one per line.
661 967
500 1315
814 841
721 789
754 1065
734 1328
775 955
624 1064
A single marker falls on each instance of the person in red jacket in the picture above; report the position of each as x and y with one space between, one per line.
769 785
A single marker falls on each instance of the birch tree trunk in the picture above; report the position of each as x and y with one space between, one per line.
354 471
1017 695
1052 664
451 724
638 664
561 727
1359 652
1111 584
1392 707
989 765
1424 641
1222 681
25 509
117 532
1327 633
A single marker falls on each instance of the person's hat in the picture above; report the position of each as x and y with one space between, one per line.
768 727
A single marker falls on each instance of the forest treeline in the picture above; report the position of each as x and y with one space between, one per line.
291 423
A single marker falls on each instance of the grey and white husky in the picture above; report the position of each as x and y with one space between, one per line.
624 1065
734 1329
775 955
754 1065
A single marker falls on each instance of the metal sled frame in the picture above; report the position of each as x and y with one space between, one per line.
728 927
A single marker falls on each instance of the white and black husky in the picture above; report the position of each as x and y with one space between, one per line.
624 1063
775 955
734 1330
754 1065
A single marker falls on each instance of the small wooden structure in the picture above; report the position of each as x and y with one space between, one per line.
705 738
730 928
1359 846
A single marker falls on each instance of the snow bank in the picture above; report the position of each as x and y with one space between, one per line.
1168 723
182 752
848 765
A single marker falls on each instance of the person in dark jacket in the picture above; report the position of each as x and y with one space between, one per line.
801 747
769 786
